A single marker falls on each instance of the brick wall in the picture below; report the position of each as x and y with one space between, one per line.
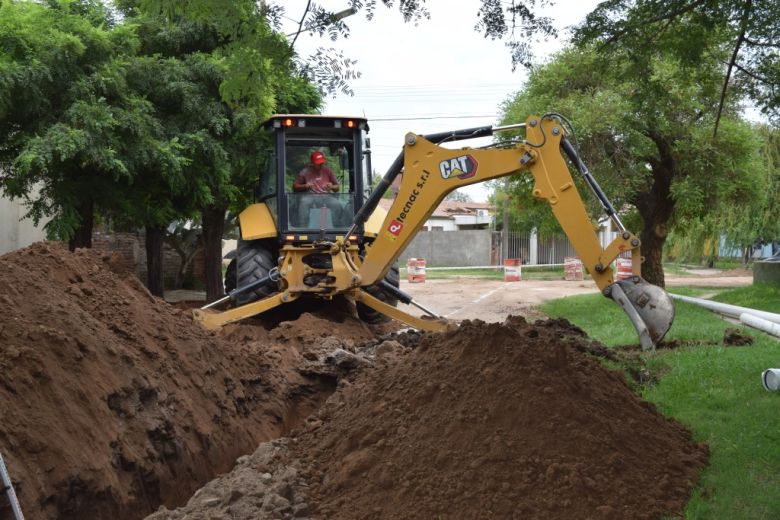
128 246
131 249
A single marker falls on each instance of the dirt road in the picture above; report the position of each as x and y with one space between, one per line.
494 300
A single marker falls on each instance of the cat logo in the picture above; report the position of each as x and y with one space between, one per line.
463 167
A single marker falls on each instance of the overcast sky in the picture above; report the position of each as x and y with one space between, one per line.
436 76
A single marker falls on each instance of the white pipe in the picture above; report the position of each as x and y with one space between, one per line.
730 310
5 479
757 323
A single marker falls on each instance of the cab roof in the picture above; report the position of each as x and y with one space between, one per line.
314 120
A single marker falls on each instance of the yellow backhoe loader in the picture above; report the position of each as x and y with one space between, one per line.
295 244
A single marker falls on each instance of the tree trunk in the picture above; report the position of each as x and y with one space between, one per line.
154 260
186 262
656 208
173 243
187 253
213 226
83 234
652 249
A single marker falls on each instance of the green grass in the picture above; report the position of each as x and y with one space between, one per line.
728 263
487 274
675 269
696 292
714 390
527 273
724 263
762 297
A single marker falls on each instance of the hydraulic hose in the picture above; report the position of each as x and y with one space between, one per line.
574 157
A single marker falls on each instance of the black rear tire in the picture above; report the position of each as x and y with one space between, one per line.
230 276
255 258
369 315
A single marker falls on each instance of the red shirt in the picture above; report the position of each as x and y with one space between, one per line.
318 179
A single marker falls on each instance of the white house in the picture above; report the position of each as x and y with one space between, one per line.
455 216
15 230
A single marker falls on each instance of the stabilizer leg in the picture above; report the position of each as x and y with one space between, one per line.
213 320
433 325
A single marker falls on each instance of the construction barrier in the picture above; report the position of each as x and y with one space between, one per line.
572 269
623 269
415 270
512 269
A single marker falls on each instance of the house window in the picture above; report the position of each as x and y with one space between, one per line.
425 228
437 228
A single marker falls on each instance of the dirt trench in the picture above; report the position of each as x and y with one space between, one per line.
115 404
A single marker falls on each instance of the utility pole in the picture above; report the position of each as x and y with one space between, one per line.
505 224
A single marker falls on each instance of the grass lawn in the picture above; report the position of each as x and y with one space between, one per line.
715 390
720 263
528 273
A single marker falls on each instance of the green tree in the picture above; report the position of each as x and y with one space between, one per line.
769 223
691 29
738 226
136 121
643 128
183 71
65 121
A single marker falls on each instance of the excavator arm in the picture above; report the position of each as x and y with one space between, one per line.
430 172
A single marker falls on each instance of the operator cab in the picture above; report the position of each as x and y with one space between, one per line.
341 184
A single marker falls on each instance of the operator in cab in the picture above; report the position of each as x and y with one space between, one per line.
318 181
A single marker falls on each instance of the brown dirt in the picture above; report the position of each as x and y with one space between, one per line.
498 421
489 421
114 402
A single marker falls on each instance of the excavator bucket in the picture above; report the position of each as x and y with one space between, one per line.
649 308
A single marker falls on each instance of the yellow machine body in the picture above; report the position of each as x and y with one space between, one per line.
256 222
374 223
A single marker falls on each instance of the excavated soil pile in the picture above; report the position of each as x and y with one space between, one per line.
496 421
489 421
114 402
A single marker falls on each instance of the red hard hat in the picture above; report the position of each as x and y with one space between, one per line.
318 158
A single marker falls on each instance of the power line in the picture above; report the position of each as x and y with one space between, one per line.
430 117
438 86
434 114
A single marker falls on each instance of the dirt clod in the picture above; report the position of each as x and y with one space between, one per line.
736 338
